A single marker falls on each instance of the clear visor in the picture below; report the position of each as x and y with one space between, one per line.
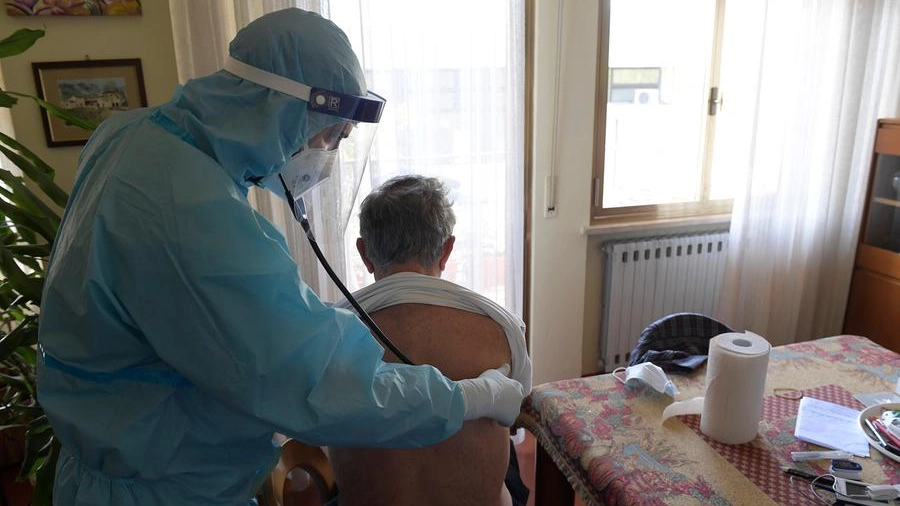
334 195
326 172
313 163
329 184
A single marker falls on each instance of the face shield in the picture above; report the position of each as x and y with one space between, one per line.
328 168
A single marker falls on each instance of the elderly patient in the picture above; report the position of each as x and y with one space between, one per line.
406 227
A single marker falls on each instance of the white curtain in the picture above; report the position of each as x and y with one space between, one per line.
814 76
455 101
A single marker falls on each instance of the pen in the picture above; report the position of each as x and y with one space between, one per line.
886 434
799 472
875 432
883 443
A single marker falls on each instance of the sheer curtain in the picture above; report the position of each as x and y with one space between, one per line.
814 75
454 111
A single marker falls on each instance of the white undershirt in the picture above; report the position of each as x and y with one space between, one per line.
414 288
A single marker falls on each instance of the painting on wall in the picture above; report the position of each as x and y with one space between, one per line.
90 89
73 7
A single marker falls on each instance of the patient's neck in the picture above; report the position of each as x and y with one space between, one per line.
408 267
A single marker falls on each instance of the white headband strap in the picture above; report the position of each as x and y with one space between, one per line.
267 79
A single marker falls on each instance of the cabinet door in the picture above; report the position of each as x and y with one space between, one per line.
873 310
882 219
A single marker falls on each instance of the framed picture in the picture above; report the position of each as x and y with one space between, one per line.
73 8
90 89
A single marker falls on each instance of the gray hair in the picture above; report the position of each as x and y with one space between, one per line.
408 218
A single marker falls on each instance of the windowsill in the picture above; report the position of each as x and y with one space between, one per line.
658 224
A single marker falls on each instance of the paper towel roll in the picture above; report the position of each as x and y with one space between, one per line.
735 384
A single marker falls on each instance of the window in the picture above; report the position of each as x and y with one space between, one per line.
656 111
454 111
634 85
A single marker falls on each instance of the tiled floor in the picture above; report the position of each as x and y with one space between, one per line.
525 453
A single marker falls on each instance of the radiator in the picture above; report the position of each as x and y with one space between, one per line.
646 279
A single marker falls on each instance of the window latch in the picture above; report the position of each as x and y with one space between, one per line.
715 100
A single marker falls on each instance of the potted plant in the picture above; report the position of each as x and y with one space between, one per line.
29 219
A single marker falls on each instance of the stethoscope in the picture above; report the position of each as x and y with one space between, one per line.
298 208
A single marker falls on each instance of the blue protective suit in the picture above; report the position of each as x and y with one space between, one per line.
177 335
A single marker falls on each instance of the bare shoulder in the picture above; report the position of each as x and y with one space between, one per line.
466 469
460 343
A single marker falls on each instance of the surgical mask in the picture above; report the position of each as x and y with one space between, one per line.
646 374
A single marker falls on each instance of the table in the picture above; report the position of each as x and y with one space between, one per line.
607 443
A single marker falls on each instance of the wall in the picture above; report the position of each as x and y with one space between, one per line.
148 37
567 256
559 245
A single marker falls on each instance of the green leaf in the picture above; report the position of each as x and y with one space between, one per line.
44 476
27 351
19 41
35 264
37 449
24 284
22 218
31 250
16 305
18 147
15 191
29 411
34 168
7 100
15 382
14 339
25 209
40 425
69 118
66 116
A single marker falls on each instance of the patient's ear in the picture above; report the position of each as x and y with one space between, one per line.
361 248
445 254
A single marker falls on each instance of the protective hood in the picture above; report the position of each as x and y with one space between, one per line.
272 126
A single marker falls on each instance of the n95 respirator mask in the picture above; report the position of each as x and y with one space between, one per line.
308 169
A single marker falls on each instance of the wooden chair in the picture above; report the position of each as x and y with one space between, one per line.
302 477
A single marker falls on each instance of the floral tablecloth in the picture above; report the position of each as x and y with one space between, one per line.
610 444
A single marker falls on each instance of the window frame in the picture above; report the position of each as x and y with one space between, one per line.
703 207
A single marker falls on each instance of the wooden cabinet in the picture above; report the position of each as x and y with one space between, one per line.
873 309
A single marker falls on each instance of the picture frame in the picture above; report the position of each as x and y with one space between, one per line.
90 89
73 8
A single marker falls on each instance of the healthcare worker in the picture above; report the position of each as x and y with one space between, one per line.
176 335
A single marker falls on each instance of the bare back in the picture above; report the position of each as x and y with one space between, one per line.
468 468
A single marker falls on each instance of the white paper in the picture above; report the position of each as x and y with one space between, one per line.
830 425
